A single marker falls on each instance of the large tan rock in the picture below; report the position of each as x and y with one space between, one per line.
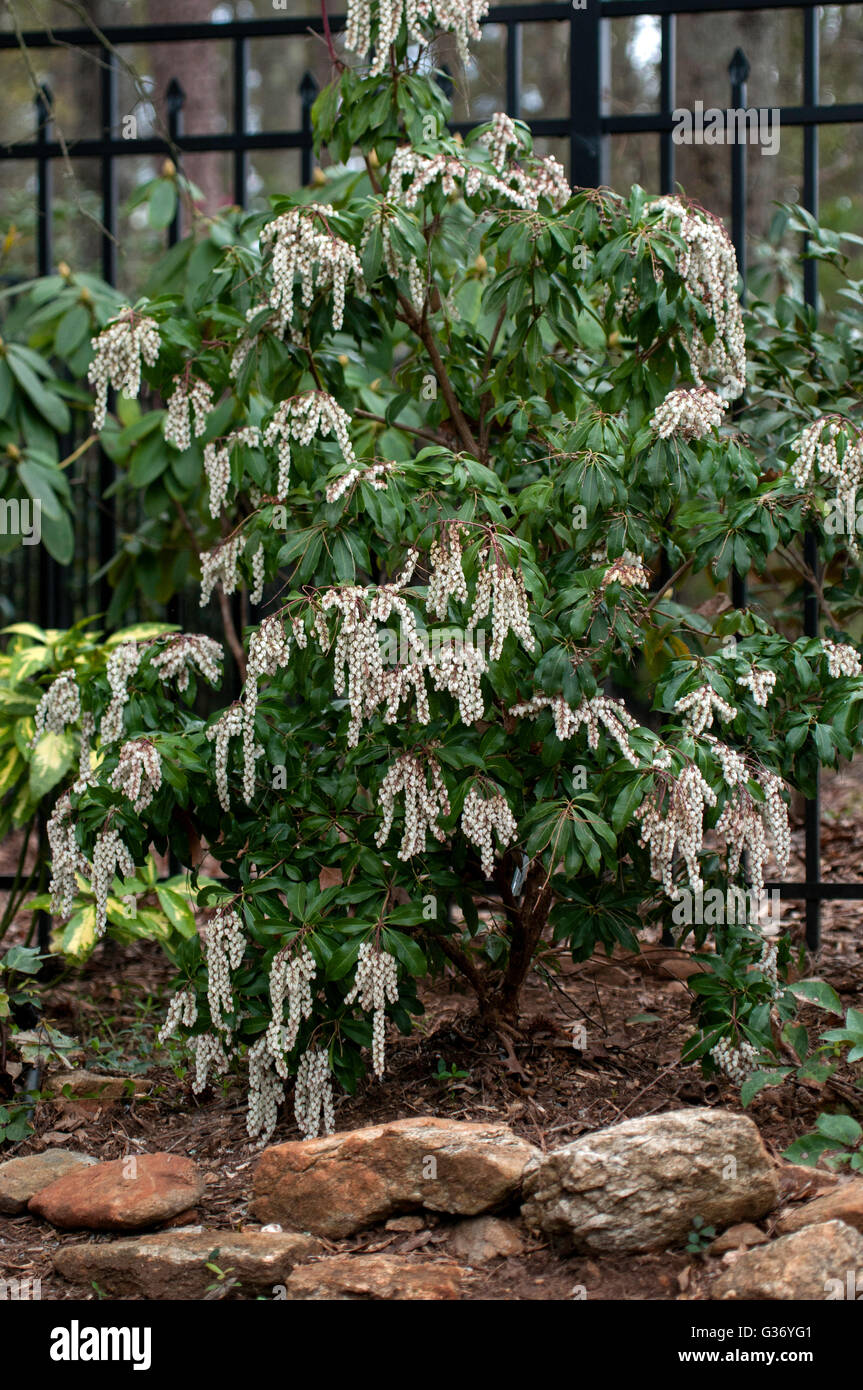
819 1262
125 1194
22 1178
844 1203
344 1277
640 1184
173 1264
340 1184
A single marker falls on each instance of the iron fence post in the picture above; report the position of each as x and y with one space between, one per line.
308 94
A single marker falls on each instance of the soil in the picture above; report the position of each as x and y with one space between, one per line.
635 1013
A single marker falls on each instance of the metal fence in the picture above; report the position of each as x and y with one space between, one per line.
56 595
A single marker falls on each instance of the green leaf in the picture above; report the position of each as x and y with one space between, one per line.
817 992
162 203
51 760
843 1128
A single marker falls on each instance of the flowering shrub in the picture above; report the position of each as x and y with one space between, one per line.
458 432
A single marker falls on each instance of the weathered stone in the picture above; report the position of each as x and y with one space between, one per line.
738 1237
89 1085
844 1203
640 1184
797 1182
406 1224
174 1264
22 1178
343 1277
340 1184
126 1194
484 1238
819 1262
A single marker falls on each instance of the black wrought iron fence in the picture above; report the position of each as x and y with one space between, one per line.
35 585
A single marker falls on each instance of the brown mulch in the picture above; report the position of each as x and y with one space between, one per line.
542 1086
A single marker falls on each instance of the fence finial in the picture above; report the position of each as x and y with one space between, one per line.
175 96
738 68
308 89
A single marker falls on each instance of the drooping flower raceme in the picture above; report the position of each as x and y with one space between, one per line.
708 266
138 772
375 983
190 404
59 706
688 414
303 245
313 1095
380 21
419 779
482 815
121 347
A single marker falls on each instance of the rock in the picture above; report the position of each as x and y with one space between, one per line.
844 1203
126 1194
340 1184
639 1185
22 1178
343 1277
796 1181
820 1262
737 1237
410 1224
173 1264
89 1085
483 1238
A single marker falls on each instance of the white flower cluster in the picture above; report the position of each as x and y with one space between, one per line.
190 401
708 267
303 245
266 1092
500 589
375 983
291 974
59 706
446 579
219 566
672 817
687 414
226 947
748 826
736 1062
759 683
119 349
186 652
227 726
831 447
119 670
731 763
138 772
500 139
375 475
700 705
302 418
217 462
66 858
183 1009
208 1051
628 570
423 802
480 816
313 1095
458 668
458 17
358 660
613 714
842 659
110 856
522 187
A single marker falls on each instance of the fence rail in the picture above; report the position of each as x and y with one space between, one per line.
587 127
